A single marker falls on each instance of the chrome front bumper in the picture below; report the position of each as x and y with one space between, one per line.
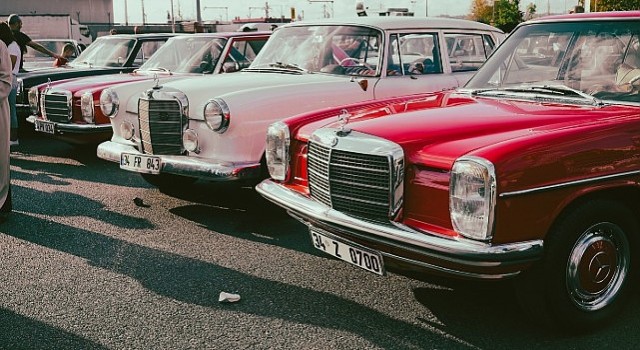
459 257
185 165
76 128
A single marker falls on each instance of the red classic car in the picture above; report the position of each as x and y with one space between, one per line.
70 109
529 172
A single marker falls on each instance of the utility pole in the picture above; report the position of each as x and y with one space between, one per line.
199 12
143 15
173 19
126 14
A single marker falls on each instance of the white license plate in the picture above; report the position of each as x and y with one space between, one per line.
45 126
363 258
140 163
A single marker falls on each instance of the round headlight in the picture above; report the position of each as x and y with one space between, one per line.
86 107
216 115
109 103
33 99
190 140
126 130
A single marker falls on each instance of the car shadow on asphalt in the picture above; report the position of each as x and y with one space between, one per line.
242 213
69 204
21 332
199 283
473 311
87 167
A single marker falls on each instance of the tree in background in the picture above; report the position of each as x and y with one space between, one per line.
613 5
531 11
504 14
481 11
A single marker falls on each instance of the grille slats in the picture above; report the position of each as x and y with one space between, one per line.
161 126
354 183
56 106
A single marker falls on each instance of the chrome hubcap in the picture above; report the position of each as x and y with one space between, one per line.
597 266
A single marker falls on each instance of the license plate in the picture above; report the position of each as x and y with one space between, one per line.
45 126
140 163
363 258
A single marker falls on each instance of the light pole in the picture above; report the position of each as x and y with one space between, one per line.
173 19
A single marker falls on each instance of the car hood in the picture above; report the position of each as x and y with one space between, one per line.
244 82
99 82
458 124
268 96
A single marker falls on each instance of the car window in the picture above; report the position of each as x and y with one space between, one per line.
242 53
187 54
602 60
332 49
147 49
467 52
414 53
112 52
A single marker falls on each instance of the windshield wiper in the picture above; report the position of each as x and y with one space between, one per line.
554 90
291 66
154 69
162 69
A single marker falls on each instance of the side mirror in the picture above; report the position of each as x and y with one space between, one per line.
230 67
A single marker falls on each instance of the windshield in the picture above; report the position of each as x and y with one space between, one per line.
187 55
343 50
110 52
588 59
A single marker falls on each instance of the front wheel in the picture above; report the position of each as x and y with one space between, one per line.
583 279
168 181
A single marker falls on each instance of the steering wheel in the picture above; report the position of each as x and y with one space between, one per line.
358 61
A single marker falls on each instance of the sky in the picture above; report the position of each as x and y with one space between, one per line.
222 10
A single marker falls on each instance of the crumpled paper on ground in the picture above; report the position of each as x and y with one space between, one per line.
228 297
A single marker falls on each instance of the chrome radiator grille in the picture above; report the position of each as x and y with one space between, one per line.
161 126
56 106
354 183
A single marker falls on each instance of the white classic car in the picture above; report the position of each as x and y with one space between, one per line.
214 127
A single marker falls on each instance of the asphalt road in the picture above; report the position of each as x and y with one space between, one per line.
84 267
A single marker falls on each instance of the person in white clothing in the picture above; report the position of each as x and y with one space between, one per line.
6 81
16 59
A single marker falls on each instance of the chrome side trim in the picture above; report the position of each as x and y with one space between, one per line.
569 183
459 251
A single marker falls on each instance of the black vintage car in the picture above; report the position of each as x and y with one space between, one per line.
106 55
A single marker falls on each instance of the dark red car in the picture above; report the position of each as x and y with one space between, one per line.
530 172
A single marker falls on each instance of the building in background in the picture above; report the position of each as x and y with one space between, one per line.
83 11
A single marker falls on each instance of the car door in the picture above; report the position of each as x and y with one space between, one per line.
414 65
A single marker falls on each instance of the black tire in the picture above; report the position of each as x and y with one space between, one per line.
584 278
168 181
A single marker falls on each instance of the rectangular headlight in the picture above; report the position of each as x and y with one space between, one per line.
86 106
277 150
472 197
